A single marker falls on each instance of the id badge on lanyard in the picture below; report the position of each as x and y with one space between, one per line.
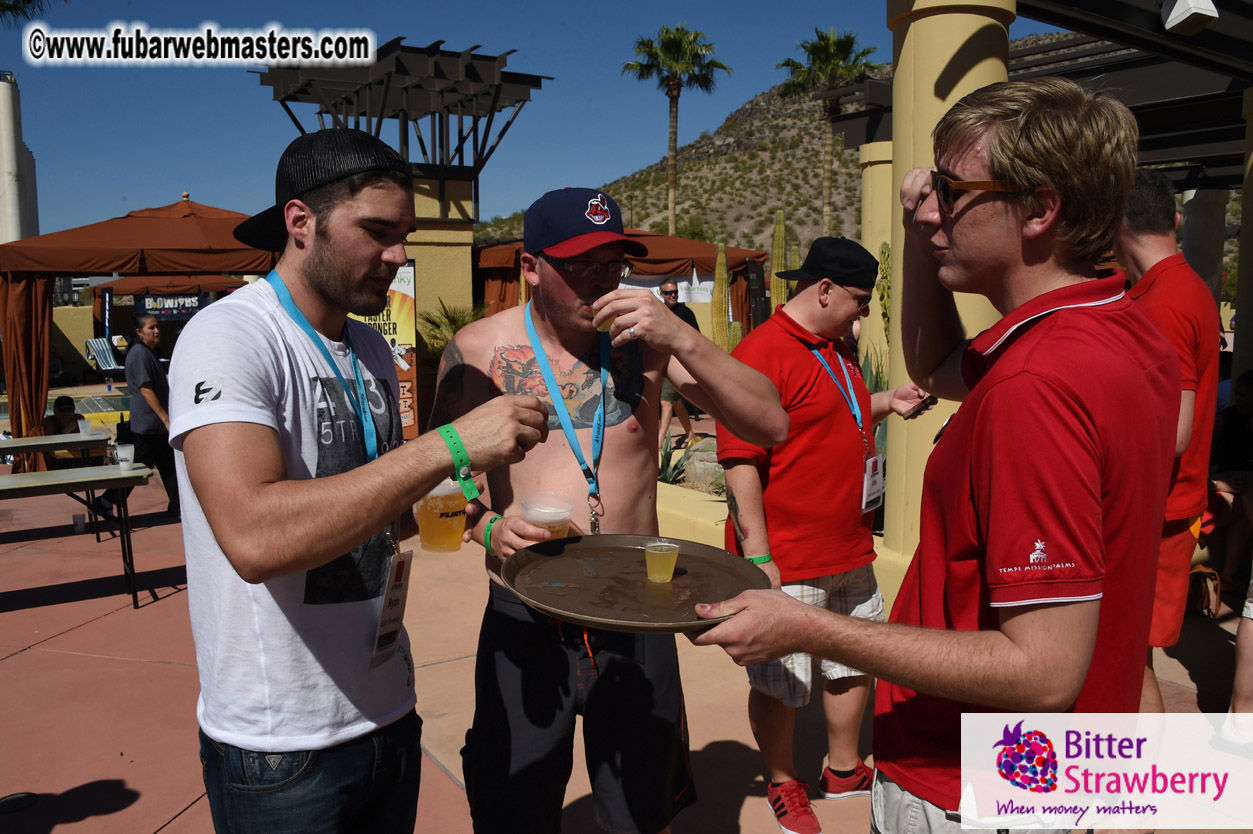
872 462
871 482
392 608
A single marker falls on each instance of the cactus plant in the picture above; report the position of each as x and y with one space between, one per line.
778 286
721 305
734 334
794 257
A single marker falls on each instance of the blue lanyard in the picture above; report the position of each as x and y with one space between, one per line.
563 412
849 396
360 405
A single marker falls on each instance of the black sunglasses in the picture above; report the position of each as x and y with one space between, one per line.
590 269
669 292
944 186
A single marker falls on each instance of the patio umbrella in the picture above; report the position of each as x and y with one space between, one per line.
184 237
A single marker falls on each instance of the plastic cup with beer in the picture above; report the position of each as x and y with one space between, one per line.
660 558
604 326
549 510
126 455
442 517
84 426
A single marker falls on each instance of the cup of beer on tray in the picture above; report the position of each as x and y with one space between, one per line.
660 558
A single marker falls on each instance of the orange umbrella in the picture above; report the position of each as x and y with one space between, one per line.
184 237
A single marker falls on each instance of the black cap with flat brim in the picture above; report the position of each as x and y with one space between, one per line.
838 259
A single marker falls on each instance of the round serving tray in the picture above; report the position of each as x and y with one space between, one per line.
600 581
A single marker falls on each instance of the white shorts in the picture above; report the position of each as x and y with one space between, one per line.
790 678
894 810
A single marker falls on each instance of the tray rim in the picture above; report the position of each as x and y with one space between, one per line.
508 575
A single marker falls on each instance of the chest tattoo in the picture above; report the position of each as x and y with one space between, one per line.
514 371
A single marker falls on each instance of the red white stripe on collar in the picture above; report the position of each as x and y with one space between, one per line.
1029 319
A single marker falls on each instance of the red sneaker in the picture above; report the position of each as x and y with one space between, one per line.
839 787
791 807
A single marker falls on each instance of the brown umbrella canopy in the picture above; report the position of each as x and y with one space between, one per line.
184 237
667 256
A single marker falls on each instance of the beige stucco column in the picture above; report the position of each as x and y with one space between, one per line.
875 159
1243 358
1203 232
441 253
942 51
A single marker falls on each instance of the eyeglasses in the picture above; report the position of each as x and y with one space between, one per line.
669 292
944 186
592 269
863 303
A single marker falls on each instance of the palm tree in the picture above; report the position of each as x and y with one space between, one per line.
13 12
677 58
832 60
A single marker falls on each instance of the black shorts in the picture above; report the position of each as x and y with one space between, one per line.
533 675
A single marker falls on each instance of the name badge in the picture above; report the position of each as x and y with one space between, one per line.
392 612
872 482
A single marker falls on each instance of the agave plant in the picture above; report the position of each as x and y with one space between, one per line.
671 470
437 327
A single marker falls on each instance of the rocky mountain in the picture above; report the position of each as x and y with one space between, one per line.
767 155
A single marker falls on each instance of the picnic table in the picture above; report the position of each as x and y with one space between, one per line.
71 442
84 479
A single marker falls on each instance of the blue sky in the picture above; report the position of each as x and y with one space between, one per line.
110 140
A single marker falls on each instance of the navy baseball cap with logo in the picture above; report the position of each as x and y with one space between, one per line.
571 221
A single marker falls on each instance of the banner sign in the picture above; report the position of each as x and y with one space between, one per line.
171 307
398 325
1106 770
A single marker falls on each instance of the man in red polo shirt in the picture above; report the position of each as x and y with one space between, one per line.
1032 584
802 511
1184 308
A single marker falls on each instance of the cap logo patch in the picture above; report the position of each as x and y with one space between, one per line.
598 210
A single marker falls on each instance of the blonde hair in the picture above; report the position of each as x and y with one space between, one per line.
1051 132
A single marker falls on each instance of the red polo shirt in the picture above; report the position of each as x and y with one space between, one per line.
1048 485
1177 299
812 481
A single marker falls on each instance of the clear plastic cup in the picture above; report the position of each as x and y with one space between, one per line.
126 455
84 427
549 510
442 517
659 559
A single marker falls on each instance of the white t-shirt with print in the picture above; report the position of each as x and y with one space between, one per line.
285 664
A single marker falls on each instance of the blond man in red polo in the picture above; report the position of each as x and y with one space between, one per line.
1032 583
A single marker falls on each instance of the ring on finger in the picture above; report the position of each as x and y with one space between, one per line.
631 330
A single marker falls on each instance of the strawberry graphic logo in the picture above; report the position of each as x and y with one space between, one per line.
598 210
1027 760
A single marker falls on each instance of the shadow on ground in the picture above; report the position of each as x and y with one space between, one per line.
148 582
93 799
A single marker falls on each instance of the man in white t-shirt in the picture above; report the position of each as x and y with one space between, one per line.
296 487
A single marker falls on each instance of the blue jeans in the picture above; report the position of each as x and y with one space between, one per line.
369 784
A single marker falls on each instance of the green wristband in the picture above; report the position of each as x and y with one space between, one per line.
487 534
460 461
759 560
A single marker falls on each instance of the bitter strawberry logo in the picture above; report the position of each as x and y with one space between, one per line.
1027 760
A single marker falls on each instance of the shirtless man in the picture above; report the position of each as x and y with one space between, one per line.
535 674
